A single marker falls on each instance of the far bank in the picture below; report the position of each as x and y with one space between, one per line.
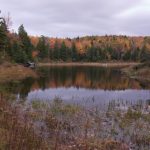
96 64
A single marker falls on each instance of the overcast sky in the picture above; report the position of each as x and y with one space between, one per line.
72 18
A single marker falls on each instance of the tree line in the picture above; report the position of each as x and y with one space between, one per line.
18 47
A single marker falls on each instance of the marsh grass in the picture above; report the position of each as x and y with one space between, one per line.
122 125
57 125
16 129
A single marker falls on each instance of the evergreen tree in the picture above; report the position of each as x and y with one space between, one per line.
18 55
3 36
51 56
145 54
42 47
68 52
25 42
127 55
89 54
74 52
63 51
56 52
134 55
110 51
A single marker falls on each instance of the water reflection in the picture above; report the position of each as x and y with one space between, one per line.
84 77
78 83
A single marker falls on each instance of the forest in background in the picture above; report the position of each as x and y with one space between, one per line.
20 47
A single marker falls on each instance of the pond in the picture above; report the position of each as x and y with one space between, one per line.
82 85
114 105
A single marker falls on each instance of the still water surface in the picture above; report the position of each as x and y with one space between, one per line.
83 85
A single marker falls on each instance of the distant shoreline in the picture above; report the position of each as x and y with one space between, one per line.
96 64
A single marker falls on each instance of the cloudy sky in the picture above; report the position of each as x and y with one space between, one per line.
71 18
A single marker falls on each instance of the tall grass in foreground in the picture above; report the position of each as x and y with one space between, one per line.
16 129
57 125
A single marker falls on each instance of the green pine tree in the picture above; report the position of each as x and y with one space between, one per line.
18 55
63 51
74 52
43 48
25 42
56 52
3 37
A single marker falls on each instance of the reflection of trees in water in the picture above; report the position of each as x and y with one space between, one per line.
22 88
86 77
26 87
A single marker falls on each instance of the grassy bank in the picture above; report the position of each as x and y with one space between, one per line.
9 72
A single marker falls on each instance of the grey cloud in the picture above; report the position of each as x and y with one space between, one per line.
71 18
